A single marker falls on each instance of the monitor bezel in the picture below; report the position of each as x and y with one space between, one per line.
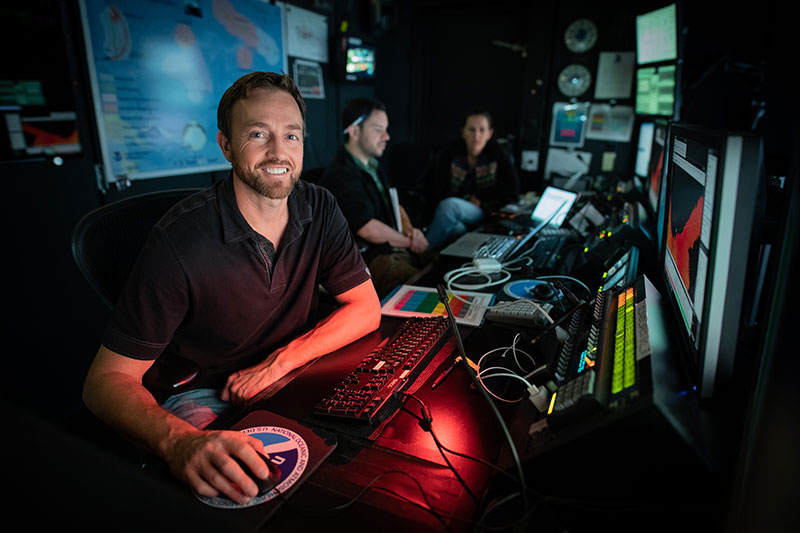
735 225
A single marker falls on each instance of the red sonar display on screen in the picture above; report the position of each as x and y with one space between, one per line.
685 242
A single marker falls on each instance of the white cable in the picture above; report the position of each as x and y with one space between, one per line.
502 374
469 270
455 274
579 282
513 349
523 255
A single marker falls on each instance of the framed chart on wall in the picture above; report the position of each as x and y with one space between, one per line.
568 127
158 70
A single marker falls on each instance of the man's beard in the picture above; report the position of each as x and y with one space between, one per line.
262 183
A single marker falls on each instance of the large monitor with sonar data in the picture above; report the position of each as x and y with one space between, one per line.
714 203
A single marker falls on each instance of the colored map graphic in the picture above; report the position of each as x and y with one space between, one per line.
158 71
428 302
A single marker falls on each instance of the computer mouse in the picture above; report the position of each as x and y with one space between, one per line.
543 291
264 485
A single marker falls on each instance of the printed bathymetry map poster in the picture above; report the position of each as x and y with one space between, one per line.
158 69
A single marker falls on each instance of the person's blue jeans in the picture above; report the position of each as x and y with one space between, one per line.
453 217
199 407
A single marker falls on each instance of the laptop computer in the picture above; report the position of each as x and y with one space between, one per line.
551 210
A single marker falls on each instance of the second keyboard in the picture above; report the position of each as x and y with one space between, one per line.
366 393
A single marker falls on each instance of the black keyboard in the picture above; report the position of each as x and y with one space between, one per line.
371 392
546 252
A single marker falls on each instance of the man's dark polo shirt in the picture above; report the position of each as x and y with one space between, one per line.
202 290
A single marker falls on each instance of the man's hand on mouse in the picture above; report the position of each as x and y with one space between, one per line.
203 460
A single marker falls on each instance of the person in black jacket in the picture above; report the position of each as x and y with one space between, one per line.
473 176
390 247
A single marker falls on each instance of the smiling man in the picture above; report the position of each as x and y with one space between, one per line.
357 180
229 280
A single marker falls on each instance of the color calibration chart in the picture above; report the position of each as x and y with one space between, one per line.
411 301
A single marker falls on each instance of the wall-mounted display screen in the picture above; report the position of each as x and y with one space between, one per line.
657 36
359 62
655 90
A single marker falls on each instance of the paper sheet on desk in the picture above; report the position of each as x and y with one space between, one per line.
408 301
396 208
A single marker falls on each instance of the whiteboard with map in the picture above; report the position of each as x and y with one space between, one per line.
158 69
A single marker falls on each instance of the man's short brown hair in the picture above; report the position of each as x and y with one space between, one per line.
255 80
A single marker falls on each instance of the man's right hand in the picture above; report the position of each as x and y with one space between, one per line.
204 461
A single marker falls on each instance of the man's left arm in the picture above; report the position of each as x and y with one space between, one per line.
359 313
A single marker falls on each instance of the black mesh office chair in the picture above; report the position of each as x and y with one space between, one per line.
106 243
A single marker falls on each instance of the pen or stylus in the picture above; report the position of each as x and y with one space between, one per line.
443 375
447 372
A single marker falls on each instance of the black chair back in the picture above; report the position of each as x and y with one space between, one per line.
106 242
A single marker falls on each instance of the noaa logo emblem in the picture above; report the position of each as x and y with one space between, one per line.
287 450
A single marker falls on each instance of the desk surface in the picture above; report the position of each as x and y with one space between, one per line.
413 486
399 480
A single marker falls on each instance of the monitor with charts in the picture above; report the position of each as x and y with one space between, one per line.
715 204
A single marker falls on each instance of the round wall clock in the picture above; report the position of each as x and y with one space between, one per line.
574 80
580 36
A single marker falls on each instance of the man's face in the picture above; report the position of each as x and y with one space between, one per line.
266 144
476 134
374 134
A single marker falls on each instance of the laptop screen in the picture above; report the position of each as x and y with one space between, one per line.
556 202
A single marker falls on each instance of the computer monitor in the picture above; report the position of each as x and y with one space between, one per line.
657 36
553 207
359 61
655 90
655 166
643 149
714 203
37 107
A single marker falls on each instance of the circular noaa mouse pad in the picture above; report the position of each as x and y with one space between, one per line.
522 288
287 450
